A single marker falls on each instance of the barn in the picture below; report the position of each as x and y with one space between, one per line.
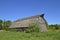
22 24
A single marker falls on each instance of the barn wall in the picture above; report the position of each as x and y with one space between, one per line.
42 23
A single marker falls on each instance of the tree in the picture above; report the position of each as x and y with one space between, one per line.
1 23
6 24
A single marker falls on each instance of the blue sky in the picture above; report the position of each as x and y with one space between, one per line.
16 9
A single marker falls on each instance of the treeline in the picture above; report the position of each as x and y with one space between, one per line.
54 26
4 24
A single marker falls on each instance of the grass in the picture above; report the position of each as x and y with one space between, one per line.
49 35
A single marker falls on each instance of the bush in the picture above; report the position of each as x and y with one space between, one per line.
32 27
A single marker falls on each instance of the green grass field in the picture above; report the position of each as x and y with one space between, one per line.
49 35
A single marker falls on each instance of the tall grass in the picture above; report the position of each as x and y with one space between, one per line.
49 35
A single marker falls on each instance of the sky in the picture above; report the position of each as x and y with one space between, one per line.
17 9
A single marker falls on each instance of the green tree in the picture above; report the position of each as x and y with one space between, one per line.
1 23
6 24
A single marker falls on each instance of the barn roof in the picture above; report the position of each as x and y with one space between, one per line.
41 15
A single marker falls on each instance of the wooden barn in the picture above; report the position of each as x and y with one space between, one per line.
22 24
